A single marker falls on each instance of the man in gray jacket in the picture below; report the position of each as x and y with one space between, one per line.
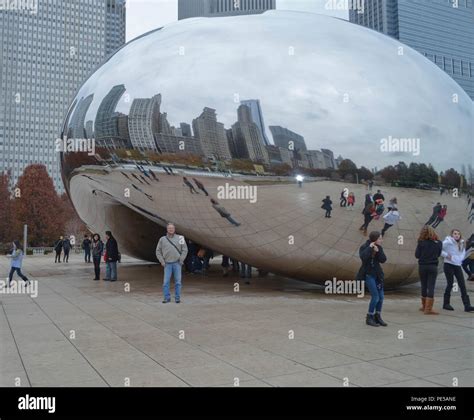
171 252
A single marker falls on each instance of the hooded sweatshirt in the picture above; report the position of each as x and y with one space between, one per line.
451 247
392 217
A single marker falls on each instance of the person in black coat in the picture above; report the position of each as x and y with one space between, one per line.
86 246
436 209
378 196
327 205
428 252
58 247
111 257
97 251
372 256
67 249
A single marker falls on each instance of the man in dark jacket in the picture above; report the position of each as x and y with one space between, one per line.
378 196
86 246
436 209
58 247
67 249
111 257
372 256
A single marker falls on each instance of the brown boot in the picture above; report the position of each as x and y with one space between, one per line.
429 307
423 304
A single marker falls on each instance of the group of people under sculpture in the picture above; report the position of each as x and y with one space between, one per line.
171 252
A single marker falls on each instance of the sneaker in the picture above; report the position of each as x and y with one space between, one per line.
113 279
166 301
178 301
106 279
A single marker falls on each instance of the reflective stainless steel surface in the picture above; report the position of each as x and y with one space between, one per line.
181 90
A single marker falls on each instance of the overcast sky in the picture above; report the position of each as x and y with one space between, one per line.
145 15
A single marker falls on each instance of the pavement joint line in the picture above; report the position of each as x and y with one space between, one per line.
165 332
244 342
65 336
16 344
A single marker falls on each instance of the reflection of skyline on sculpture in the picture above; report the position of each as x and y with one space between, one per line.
146 129
400 96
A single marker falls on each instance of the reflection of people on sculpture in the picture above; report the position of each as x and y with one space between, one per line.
435 213
370 184
441 216
351 200
378 196
428 251
223 212
143 192
369 212
200 185
454 253
468 263
392 203
368 200
327 205
372 256
392 217
191 186
343 198
138 179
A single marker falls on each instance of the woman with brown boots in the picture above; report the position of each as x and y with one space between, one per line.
427 252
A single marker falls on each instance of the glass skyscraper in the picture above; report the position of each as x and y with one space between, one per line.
212 8
46 54
441 30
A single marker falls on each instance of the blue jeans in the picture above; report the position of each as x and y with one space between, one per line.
175 270
376 300
111 270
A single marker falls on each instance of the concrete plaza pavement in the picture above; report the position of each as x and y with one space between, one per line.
273 332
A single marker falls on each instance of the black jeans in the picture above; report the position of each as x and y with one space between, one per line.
386 227
450 272
18 270
57 258
468 266
97 267
87 255
328 213
66 256
367 219
428 274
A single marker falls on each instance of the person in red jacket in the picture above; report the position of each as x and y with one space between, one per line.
441 216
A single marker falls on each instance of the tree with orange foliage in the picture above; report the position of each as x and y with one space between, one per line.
37 205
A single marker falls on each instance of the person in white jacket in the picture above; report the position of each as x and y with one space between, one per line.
392 217
454 253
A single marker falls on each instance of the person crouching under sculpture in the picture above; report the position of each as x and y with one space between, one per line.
372 256
171 252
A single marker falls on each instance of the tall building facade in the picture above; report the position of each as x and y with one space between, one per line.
441 30
287 139
115 25
105 123
212 135
144 122
46 54
247 137
213 8
257 116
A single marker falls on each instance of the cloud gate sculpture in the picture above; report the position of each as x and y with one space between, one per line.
155 133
